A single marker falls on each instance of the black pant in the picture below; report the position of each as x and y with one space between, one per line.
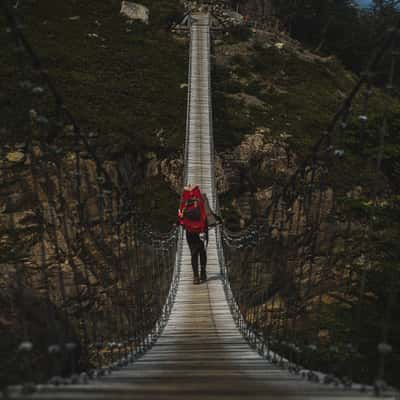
197 249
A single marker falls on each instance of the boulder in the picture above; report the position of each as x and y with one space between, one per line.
251 146
135 11
152 168
15 156
171 170
233 16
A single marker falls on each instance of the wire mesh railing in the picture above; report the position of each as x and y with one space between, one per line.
312 283
87 285
301 282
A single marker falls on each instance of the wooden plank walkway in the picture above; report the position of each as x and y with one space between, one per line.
201 354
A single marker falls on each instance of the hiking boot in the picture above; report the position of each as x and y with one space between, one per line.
196 280
203 275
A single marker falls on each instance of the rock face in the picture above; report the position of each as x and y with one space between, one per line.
271 154
263 153
170 170
58 239
135 11
249 171
230 17
15 156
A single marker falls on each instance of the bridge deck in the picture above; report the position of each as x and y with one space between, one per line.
201 354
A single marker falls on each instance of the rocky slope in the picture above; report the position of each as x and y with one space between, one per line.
125 85
272 100
121 81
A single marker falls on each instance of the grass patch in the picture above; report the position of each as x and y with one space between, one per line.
120 79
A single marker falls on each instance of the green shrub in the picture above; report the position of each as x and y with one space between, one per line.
239 33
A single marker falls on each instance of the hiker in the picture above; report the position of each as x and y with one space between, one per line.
192 216
196 216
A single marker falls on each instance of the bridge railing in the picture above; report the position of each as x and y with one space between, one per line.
189 91
87 285
305 281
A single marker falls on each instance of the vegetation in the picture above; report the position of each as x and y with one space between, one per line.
298 92
338 27
120 79
121 82
295 93
124 82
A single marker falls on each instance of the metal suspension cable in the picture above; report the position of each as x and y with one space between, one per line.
301 210
101 251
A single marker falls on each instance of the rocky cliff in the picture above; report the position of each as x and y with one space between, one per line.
125 83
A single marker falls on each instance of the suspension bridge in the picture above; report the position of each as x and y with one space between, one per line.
205 341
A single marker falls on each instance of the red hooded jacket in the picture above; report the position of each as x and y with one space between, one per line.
193 226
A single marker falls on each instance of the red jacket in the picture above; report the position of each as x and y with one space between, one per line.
189 225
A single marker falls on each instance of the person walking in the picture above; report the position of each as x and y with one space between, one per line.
193 217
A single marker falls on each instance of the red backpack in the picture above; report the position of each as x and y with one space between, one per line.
191 210
191 214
